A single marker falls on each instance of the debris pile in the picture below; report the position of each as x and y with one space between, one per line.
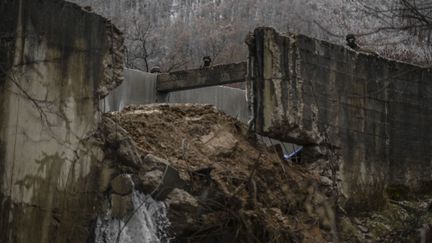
221 184
218 182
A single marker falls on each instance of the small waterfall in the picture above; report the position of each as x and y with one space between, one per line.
148 224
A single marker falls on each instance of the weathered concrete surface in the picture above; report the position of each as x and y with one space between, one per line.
56 61
372 112
203 77
137 88
140 88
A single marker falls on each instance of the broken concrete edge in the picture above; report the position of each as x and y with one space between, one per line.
263 71
264 62
283 128
260 70
279 82
113 60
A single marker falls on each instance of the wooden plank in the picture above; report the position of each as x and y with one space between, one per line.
203 77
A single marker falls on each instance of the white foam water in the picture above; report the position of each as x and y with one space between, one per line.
147 224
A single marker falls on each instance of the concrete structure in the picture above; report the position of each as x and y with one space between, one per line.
137 88
203 77
372 112
140 88
56 61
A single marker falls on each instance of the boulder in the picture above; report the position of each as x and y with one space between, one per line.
171 179
182 212
122 185
179 199
128 154
119 140
150 180
223 143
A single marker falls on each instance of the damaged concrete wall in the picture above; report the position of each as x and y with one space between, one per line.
371 111
137 88
140 88
56 61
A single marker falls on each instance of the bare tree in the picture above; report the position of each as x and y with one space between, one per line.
137 45
176 34
412 18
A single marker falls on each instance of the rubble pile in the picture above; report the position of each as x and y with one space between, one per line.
221 184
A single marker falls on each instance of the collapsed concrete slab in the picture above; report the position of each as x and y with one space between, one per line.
56 61
370 111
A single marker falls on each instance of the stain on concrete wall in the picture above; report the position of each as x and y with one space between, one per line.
56 61
372 111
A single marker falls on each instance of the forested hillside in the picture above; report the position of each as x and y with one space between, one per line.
176 34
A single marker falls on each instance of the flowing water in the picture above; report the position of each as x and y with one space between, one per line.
147 224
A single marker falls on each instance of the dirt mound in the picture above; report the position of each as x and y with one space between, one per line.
232 188
222 185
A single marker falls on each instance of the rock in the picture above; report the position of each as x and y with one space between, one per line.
220 144
152 159
128 154
120 141
363 228
121 206
325 181
103 91
349 231
171 180
426 205
122 185
341 210
114 131
97 153
182 211
357 221
151 180
179 199
105 178
161 183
